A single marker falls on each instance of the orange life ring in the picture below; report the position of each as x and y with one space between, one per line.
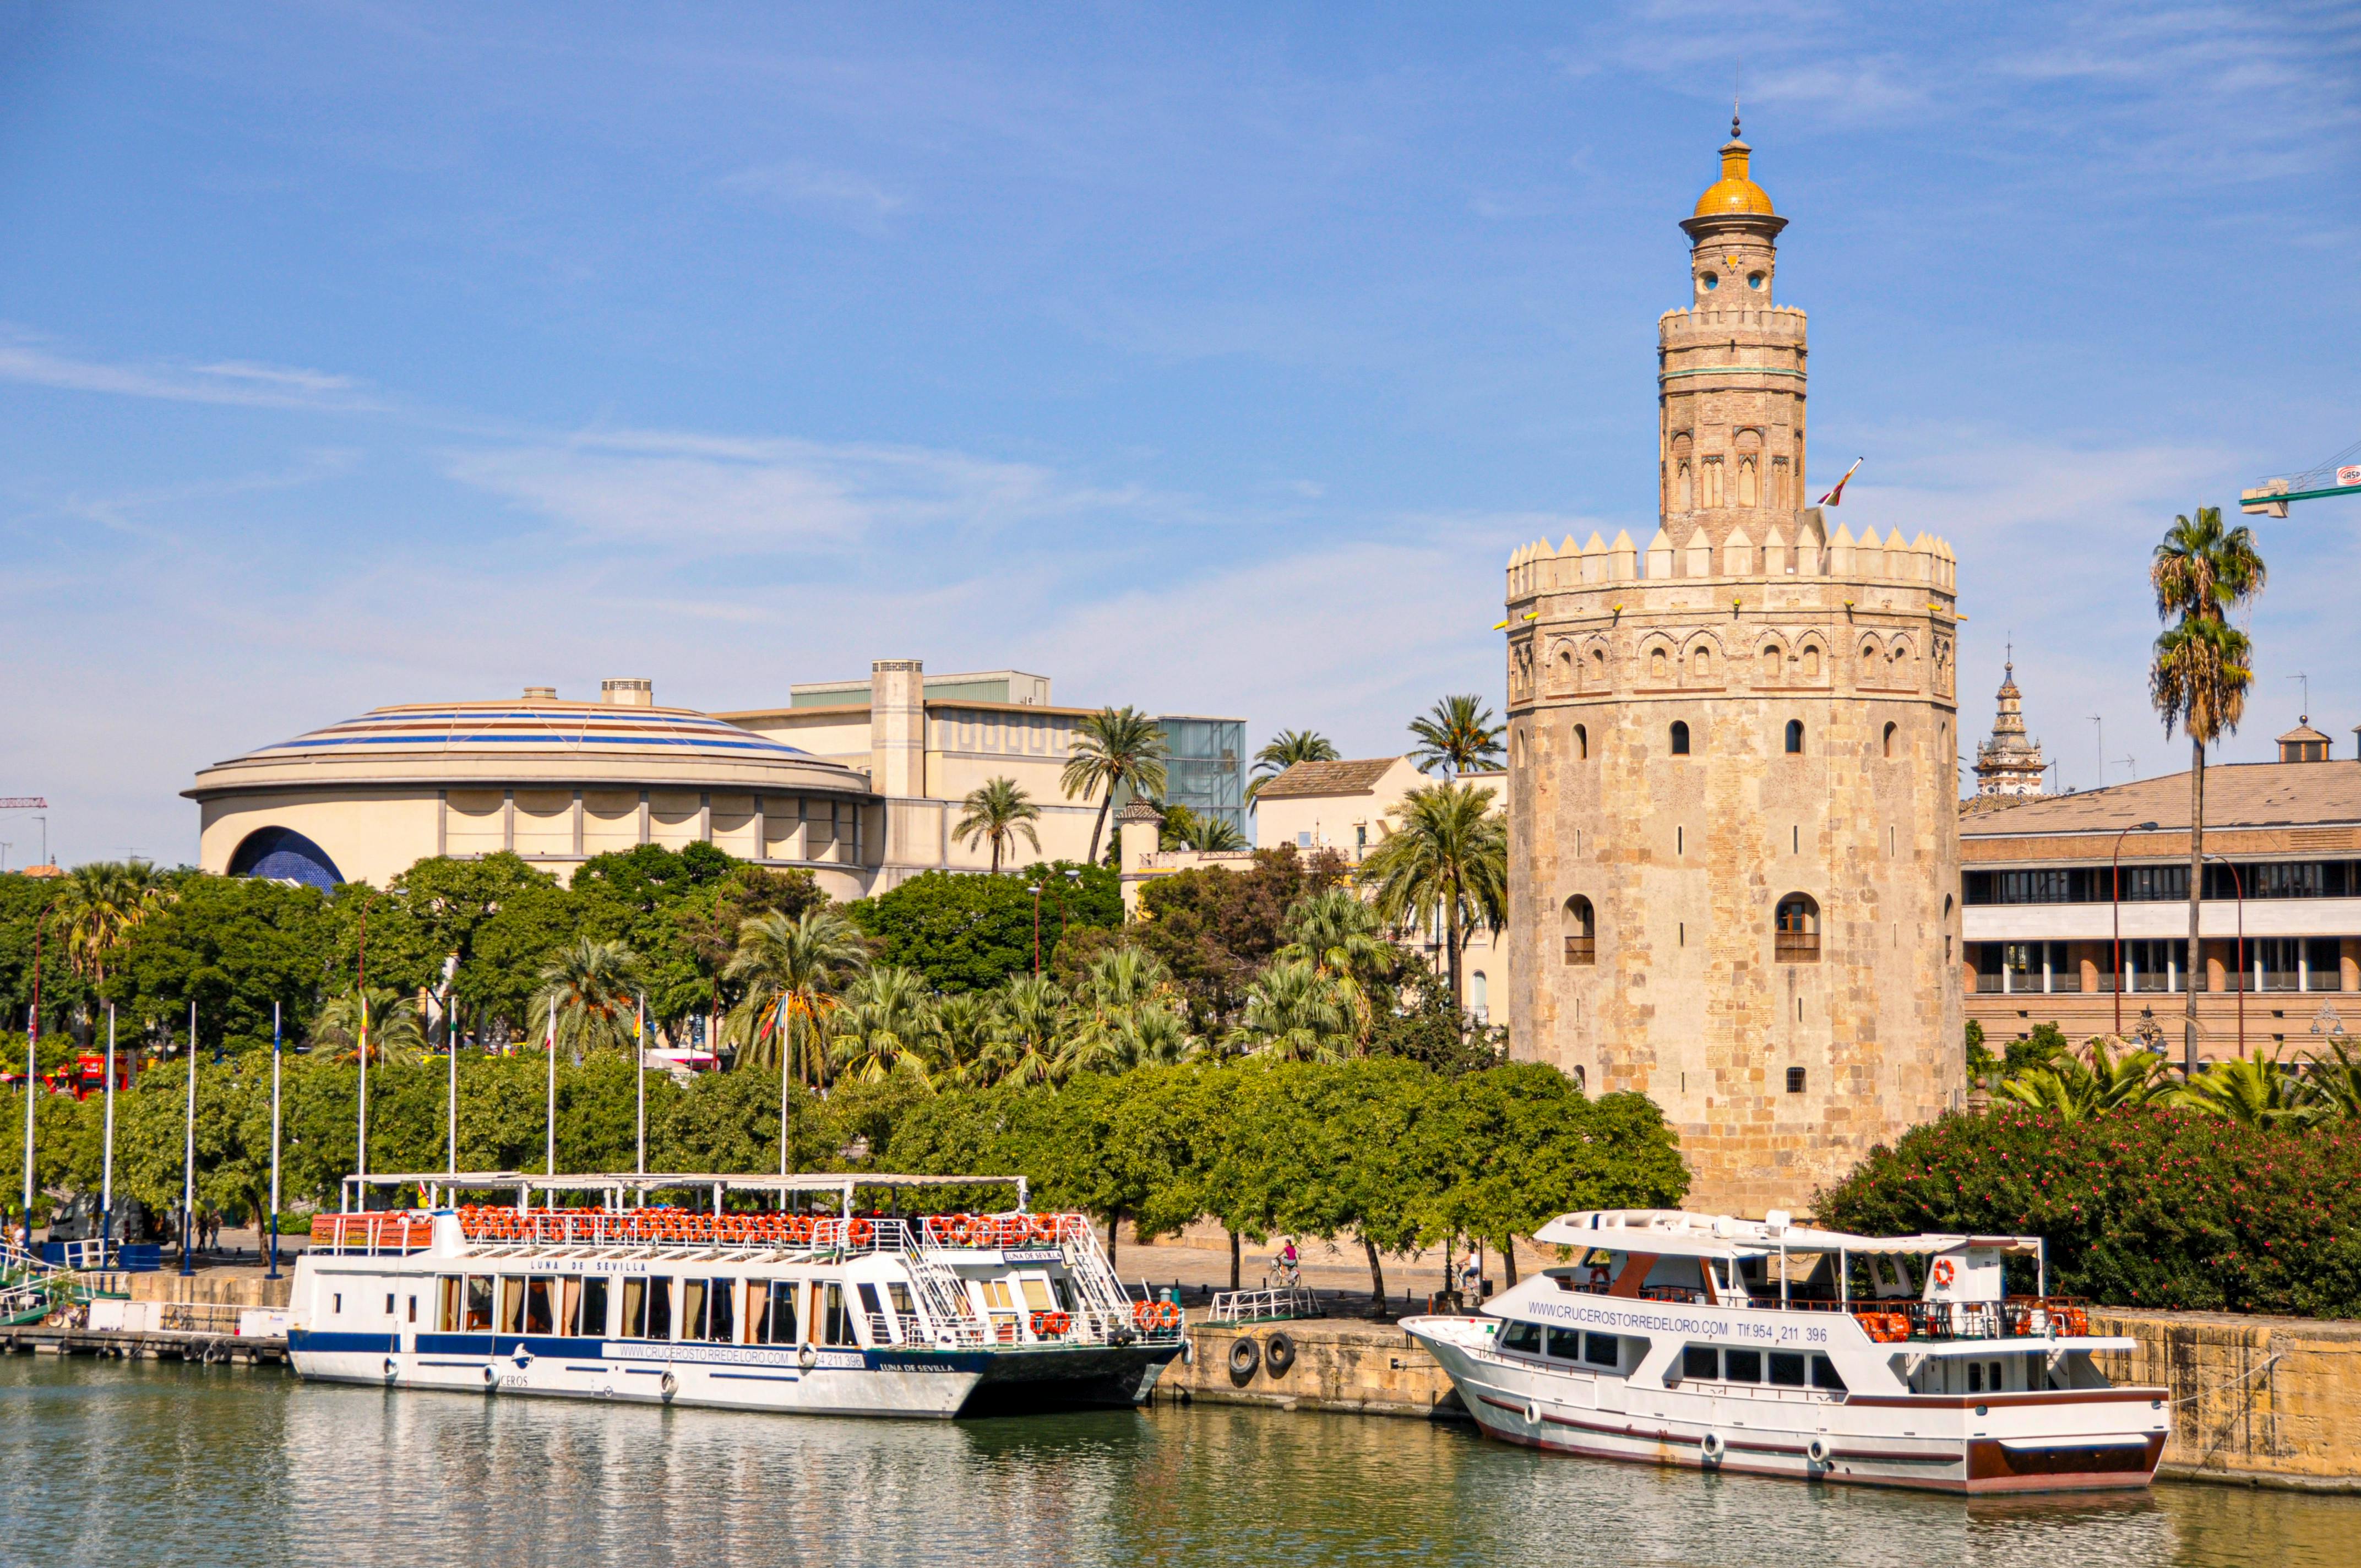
1044 1228
859 1232
1944 1273
1141 1311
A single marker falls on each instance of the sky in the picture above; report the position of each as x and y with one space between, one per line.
1208 358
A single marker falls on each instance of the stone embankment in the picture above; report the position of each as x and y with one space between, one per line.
2255 1401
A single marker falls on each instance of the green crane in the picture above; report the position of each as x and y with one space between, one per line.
2340 476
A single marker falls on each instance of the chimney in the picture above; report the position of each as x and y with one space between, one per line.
897 727
627 694
540 694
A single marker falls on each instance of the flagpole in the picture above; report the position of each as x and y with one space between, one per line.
106 1159
275 1101
362 985
639 1075
189 1152
549 1161
787 1043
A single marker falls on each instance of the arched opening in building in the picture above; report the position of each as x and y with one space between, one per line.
1889 739
1581 929
1795 737
282 854
1796 934
1479 997
1581 743
1680 737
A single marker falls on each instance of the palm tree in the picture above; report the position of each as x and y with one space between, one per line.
1114 745
1293 1013
792 968
1286 749
1335 931
886 1027
967 1023
1032 1014
1444 864
99 904
2255 1091
391 1018
2334 1084
997 811
1210 835
1458 736
594 988
2076 1091
2200 676
1126 1004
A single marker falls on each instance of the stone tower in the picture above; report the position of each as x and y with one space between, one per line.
2009 763
1732 791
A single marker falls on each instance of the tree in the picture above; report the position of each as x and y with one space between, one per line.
1444 864
1114 745
996 812
1032 1009
971 933
234 946
2257 1092
98 906
886 1027
1282 752
1215 928
2200 675
1211 835
1124 1016
389 1018
1293 1013
967 1023
1457 736
594 987
792 969
2070 1088
1335 931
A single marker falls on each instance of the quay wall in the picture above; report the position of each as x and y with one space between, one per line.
210 1287
2255 1401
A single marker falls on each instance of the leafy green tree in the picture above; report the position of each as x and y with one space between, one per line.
2256 1090
2200 672
1282 752
234 946
1125 1014
592 990
1216 928
1211 836
966 1026
1336 932
1445 864
643 897
2065 1085
1026 1047
971 933
390 1019
1457 736
995 812
99 904
1293 1013
1114 745
792 970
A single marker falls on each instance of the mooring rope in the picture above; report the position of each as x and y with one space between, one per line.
2276 1356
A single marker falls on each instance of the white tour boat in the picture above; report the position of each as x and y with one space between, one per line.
1774 1349
759 1308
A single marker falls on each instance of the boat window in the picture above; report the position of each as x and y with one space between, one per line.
635 1309
1566 1343
569 1303
388 1303
512 1303
594 1306
1065 1298
1601 1350
538 1319
874 1311
1975 1377
1521 1337
720 1313
1742 1366
448 1293
337 1305
479 1304
1825 1375
777 1325
1787 1368
899 1294
835 1323
692 1308
1037 1292
1700 1361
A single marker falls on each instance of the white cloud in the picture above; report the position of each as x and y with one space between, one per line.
851 199
27 358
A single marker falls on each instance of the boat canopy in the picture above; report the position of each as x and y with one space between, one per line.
446 1185
1674 1232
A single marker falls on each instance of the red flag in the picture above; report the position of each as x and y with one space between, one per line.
1836 497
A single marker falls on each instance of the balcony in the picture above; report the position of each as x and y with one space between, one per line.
1795 948
1581 950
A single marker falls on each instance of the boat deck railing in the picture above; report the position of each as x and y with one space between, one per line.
1904 1318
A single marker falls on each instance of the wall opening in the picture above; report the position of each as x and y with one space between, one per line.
282 854
1889 739
1579 924
1796 930
1680 737
1581 743
1795 737
1794 1080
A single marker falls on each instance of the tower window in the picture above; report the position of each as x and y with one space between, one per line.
1794 1080
1581 930
1581 742
1755 280
1796 936
1680 737
1795 737
1709 281
1889 739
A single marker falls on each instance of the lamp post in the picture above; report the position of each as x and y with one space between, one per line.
274 1130
189 1152
2238 887
2118 903
33 1063
1035 889
362 985
106 1158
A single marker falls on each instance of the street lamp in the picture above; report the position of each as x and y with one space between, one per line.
2237 885
2118 901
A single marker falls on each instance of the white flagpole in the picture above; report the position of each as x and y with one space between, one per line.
451 1038
106 1160
275 1101
189 1154
549 1161
639 1076
786 1052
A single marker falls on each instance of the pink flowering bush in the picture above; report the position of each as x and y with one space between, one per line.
2143 1207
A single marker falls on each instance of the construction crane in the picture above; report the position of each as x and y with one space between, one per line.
23 802
2340 476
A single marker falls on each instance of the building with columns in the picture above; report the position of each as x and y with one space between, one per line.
2009 763
1733 801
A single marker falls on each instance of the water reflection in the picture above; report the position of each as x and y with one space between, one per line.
128 1463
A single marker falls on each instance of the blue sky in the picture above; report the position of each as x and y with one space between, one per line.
1207 359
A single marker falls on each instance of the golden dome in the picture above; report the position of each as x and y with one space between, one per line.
1734 193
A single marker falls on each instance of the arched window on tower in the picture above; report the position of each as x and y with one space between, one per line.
1582 744
1701 662
1795 737
1889 739
1680 737
1598 666
1659 667
1746 495
1811 663
1581 931
1796 936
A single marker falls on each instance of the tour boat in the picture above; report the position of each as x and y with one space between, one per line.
768 1307
1773 1349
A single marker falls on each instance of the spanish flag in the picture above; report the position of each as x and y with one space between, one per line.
1836 497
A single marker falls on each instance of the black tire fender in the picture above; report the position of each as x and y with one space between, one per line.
1279 1352
1245 1356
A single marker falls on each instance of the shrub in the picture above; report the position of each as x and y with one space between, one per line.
2142 1207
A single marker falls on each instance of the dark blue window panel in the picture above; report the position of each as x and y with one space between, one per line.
282 854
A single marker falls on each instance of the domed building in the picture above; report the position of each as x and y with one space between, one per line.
556 782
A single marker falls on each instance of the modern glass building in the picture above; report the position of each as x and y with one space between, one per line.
1206 768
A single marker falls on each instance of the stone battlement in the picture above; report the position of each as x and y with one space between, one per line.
1785 321
1807 552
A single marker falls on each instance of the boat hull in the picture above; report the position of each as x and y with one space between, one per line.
891 1382
2094 1439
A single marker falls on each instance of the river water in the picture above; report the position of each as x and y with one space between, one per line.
118 1463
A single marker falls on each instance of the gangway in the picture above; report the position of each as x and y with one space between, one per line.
2340 476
